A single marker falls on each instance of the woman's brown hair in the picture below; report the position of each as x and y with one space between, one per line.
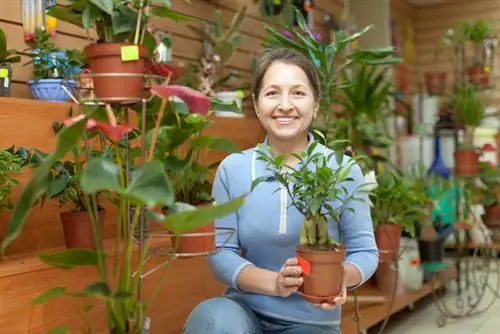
288 56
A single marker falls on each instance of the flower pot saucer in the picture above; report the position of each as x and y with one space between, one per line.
317 300
433 266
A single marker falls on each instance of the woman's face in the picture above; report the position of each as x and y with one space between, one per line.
286 105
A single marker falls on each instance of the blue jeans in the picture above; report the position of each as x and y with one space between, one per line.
223 315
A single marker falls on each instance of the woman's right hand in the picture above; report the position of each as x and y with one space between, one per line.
289 278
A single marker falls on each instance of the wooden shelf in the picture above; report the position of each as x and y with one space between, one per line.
372 313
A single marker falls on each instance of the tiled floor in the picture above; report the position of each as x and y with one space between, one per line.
423 318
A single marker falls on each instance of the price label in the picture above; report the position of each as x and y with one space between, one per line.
130 53
4 73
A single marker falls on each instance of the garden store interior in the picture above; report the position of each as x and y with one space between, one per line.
88 225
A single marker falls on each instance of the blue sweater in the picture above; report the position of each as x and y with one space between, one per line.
267 232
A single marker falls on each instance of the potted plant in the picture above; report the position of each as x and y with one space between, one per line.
11 162
470 112
221 45
149 188
476 32
321 194
490 194
181 148
7 58
52 69
123 43
396 205
435 81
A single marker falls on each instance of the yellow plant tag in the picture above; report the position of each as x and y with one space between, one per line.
130 53
240 94
4 73
487 69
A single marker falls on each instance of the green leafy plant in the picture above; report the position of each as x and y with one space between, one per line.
470 111
51 62
116 21
489 175
398 200
11 162
146 188
7 56
316 190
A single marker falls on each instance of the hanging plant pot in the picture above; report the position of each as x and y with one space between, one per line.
5 79
431 251
323 274
435 82
51 89
491 216
77 229
197 241
388 239
466 163
478 76
117 58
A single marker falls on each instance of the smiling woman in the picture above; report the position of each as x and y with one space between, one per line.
259 263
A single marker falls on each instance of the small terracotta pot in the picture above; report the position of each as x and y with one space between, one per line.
107 58
77 229
466 163
491 216
325 279
478 77
388 239
189 244
435 82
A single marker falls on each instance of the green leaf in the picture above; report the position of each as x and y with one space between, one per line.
218 105
213 143
65 14
150 185
189 217
101 174
48 295
66 139
98 289
173 15
105 5
70 258
58 330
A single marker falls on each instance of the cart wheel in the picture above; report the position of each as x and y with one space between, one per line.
441 321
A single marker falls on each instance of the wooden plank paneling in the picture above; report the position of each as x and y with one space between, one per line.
430 24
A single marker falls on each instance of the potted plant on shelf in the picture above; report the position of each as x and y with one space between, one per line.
320 193
181 149
53 68
490 194
396 205
476 32
123 43
435 81
470 110
11 162
220 46
7 58
149 188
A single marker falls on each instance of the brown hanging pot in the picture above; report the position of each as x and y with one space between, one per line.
118 59
323 274
77 229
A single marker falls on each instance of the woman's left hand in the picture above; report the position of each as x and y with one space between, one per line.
340 300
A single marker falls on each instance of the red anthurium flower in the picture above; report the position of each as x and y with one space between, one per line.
113 132
488 148
196 102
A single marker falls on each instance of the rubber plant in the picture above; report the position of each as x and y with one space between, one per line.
319 191
470 110
397 203
123 43
148 188
7 58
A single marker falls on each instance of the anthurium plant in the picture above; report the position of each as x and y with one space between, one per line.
147 187
316 190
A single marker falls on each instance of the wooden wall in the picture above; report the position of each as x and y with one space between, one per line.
186 46
432 21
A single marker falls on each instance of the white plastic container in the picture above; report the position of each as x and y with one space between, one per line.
229 97
410 272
